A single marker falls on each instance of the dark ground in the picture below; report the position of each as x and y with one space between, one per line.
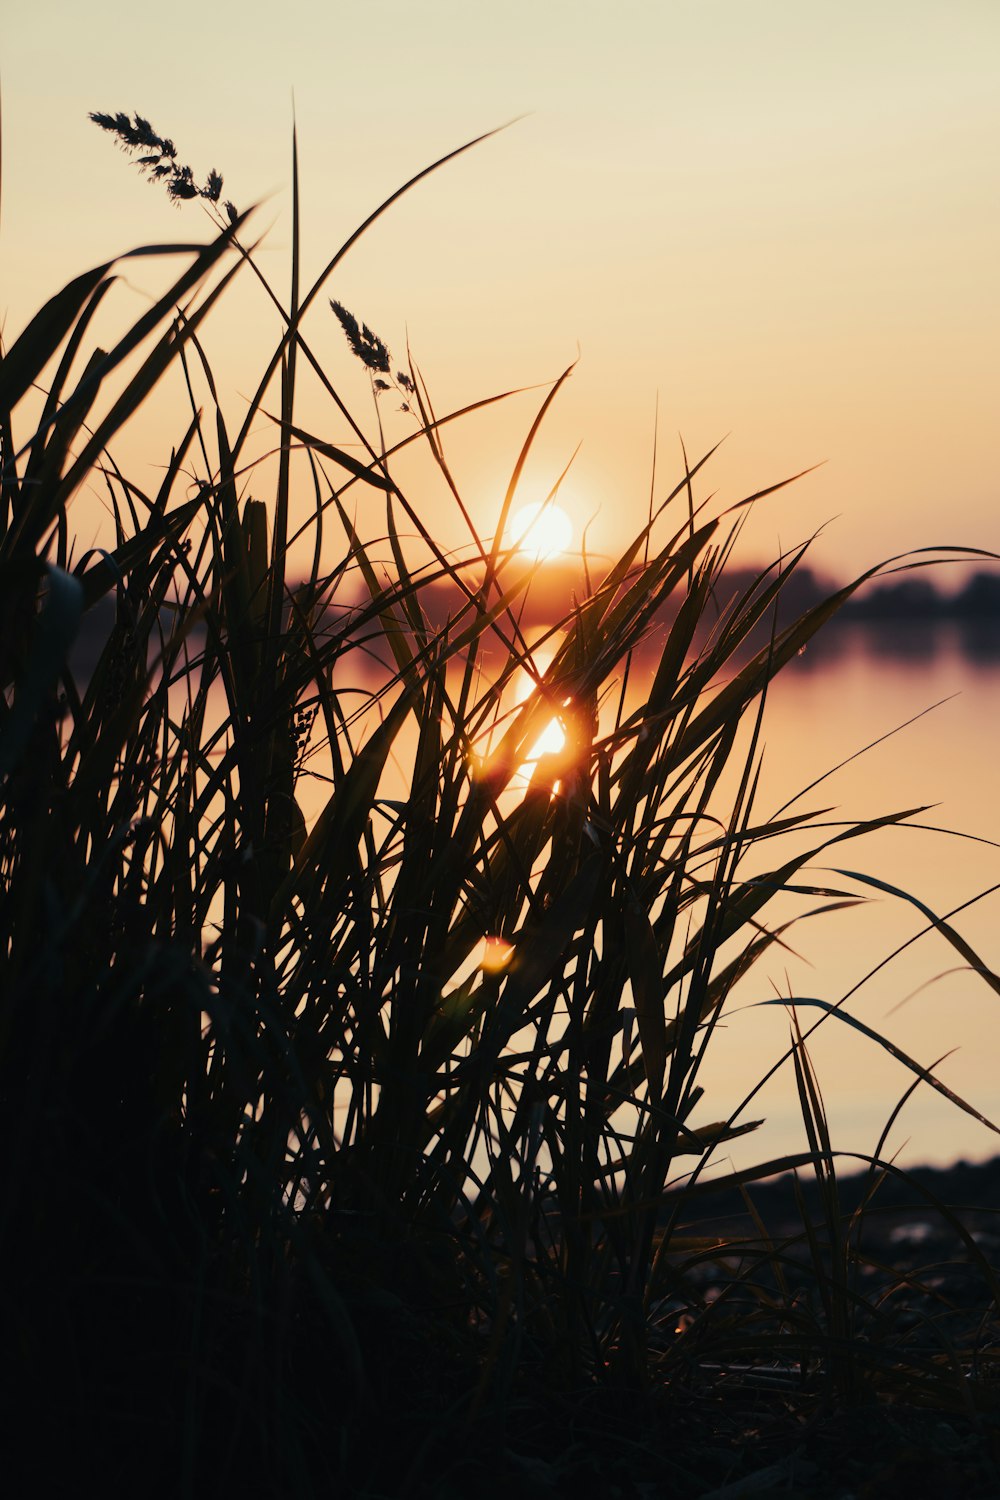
907 1403
912 1411
922 1415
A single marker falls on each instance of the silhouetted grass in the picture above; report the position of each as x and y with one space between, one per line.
362 1146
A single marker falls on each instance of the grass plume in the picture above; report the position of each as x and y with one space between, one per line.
156 157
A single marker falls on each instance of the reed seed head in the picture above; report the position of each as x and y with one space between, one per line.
368 347
159 161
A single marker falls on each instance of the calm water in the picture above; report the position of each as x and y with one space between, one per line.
851 689
853 686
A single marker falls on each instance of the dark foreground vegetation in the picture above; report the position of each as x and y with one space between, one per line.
352 1134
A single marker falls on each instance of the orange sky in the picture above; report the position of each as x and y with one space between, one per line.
779 218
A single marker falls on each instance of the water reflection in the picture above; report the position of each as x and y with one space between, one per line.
903 641
852 688
854 684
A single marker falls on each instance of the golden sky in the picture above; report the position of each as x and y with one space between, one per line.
777 218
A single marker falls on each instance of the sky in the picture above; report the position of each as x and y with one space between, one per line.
762 221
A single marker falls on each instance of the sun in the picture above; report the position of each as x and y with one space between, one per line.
541 531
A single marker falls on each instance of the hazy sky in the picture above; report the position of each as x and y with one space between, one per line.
779 218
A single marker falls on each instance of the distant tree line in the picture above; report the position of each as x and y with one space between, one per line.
976 602
909 598
917 598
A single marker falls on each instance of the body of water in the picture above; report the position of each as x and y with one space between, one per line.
857 685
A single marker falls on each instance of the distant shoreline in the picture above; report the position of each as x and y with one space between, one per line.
964 1184
910 602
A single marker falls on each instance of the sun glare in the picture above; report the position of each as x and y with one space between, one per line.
496 955
541 531
551 741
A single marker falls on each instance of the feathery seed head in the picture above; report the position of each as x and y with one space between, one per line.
368 347
159 161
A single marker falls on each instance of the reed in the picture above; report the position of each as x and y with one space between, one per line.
385 1115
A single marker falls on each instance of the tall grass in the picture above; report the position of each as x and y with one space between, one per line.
381 1113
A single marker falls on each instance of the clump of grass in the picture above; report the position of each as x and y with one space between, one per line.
374 1106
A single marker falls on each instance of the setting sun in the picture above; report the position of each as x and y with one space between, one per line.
541 531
